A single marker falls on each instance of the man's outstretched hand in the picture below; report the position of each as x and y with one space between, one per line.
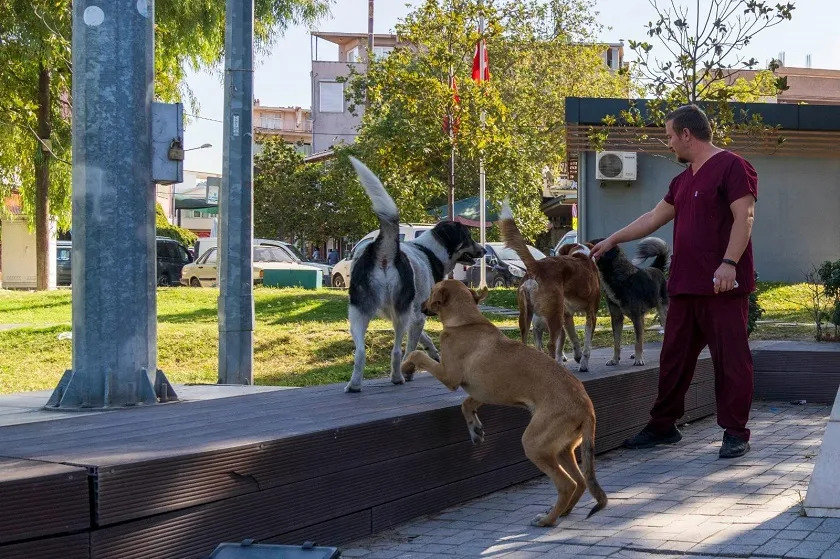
602 248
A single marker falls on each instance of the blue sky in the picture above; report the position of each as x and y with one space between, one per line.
282 77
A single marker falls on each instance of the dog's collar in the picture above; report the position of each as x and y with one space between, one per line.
434 262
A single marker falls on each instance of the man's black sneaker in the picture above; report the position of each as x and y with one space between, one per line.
647 438
733 447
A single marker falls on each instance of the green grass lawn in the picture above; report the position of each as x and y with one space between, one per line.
301 337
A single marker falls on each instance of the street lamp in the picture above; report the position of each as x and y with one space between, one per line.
202 146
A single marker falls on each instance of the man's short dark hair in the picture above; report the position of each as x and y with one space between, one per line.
692 118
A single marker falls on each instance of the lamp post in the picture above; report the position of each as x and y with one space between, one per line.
202 146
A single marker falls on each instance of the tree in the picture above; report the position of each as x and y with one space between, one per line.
295 200
35 78
35 129
165 229
539 53
703 65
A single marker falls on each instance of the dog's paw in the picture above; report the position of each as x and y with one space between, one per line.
407 368
398 379
477 434
638 362
565 358
612 362
542 521
352 389
578 357
584 366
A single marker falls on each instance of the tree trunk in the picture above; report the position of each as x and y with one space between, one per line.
42 182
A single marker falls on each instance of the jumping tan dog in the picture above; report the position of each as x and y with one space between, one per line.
494 369
565 285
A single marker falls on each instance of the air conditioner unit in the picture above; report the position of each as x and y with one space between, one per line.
615 165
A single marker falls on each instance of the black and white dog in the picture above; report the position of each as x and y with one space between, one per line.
394 278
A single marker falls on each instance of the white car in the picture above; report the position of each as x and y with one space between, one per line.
204 271
569 238
203 244
341 271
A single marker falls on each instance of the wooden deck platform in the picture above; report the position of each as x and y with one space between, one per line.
174 480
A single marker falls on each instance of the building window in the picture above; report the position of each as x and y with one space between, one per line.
331 95
353 55
381 51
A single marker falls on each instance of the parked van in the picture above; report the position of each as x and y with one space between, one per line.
172 256
63 252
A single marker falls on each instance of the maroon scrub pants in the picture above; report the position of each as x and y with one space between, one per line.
693 322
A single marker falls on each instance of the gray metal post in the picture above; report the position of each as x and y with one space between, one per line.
236 201
114 299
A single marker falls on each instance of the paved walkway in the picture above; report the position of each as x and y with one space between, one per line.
676 501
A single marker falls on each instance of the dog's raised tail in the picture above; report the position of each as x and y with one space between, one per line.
587 454
513 238
385 209
656 248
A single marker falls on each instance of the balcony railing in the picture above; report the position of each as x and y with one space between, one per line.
304 126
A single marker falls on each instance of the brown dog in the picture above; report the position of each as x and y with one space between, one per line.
565 285
494 369
526 297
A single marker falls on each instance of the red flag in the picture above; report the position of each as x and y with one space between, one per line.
476 69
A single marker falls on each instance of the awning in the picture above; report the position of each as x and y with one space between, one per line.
187 202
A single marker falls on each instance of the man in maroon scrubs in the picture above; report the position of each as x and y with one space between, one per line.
711 276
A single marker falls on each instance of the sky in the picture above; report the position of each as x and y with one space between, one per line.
282 78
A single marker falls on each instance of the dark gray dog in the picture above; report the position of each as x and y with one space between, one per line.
632 290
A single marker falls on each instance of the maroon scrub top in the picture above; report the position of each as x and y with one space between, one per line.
703 221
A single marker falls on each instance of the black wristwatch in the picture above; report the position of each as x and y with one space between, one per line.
730 262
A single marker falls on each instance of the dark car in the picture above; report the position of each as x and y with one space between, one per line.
172 256
63 252
504 267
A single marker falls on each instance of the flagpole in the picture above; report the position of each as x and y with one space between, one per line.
451 199
482 194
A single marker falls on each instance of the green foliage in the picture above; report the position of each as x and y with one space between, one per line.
702 62
190 35
35 34
539 53
308 201
755 310
829 274
702 65
165 229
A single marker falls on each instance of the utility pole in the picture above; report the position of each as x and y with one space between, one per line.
370 27
114 297
236 201
451 197
370 45
482 194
